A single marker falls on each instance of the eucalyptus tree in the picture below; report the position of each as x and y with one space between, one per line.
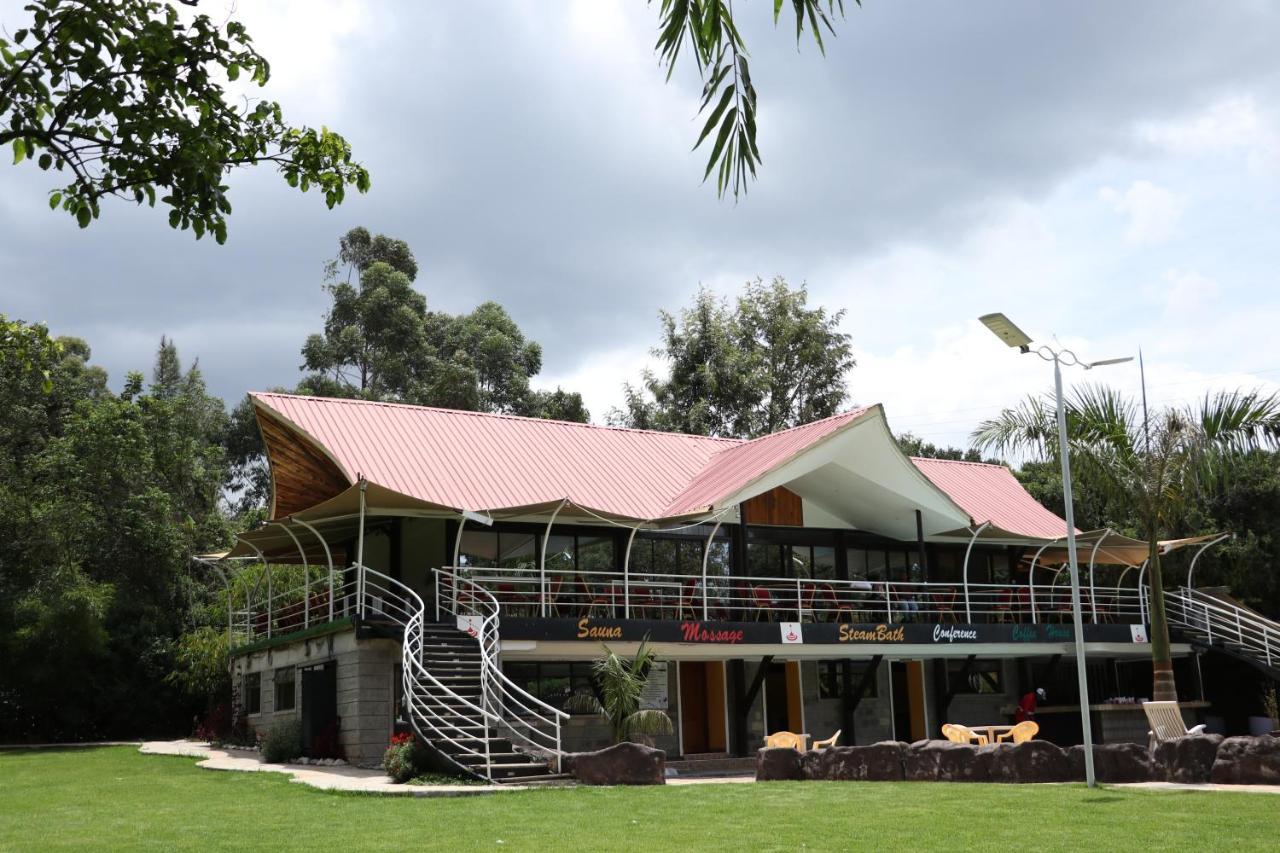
767 363
1156 465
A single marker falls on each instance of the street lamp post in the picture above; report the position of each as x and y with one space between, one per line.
1015 337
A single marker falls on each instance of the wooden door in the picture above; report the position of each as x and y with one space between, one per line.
693 707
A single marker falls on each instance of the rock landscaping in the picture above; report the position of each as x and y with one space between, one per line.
1195 759
621 764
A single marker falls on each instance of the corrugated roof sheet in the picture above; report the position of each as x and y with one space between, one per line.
481 461
477 461
735 467
991 493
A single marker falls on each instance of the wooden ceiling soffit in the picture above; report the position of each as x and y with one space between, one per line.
302 475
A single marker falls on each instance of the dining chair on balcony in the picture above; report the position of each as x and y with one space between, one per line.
553 594
602 599
762 598
1004 606
517 603
944 604
824 603
687 605
644 601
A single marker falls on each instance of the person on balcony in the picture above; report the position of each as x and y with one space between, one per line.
1027 705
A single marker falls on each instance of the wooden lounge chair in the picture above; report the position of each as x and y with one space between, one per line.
1166 723
1021 733
957 733
829 742
784 740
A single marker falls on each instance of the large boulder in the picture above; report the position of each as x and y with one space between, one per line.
1247 761
944 761
1113 762
621 764
1186 759
778 764
1032 761
878 762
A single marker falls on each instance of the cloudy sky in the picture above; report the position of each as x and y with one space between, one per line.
1108 173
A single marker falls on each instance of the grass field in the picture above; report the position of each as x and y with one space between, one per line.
113 798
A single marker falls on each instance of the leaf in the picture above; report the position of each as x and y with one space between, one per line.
725 127
54 199
19 151
84 216
715 115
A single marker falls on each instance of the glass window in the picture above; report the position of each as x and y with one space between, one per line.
552 682
718 560
876 563
286 692
898 565
690 557
945 566
560 555
824 562
764 559
517 550
857 563
479 548
252 693
799 561
641 560
665 559
595 554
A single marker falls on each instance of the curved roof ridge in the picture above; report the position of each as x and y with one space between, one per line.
961 462
505 415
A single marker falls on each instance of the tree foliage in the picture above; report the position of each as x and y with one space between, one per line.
1157 468
103 498
125 97
707 30
768 363
621 683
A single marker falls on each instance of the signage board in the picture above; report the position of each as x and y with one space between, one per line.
655 697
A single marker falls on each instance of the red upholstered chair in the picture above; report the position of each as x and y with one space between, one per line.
945 604
689 605
763 600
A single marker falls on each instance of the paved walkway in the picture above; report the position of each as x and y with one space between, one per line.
326 778
1178 786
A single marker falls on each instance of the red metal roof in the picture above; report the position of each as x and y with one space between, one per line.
477 461
735 467
991 493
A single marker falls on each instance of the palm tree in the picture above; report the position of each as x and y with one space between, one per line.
1152 466
621 683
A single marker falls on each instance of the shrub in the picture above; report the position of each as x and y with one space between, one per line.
404 759
283 743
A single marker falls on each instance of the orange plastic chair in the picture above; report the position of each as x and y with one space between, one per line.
784 740
1021 733
829 742
957 733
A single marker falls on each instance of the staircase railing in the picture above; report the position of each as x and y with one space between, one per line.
1225 623
436 712
527 720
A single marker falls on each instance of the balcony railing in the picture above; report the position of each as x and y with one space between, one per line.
527 592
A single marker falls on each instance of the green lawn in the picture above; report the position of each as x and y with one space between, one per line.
114 798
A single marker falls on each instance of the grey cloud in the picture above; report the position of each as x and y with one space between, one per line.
517 175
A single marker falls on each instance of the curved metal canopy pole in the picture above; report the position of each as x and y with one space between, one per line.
1093 557
968 615
266 570
457 555
542 559
360 553
306 576
626 575
1191 569
328 558
226 584
706 553
1031 577
1142 599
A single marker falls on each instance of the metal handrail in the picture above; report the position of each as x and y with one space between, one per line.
1222 622
525 591
499 691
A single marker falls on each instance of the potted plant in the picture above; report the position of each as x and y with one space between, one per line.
1269 723
621 683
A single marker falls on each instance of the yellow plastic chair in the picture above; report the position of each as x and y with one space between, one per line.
784 740
1021 733
957 733
829 742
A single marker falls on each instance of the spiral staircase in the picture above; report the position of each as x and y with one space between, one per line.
1212 623
476 721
